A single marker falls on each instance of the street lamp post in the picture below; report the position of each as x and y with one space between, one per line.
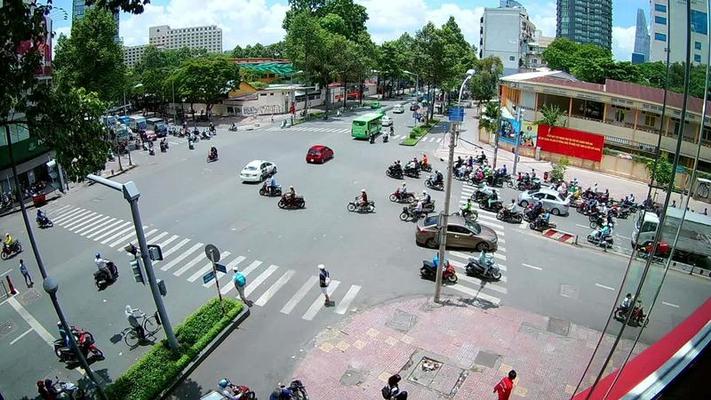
131 194
417 80
519 113
447 194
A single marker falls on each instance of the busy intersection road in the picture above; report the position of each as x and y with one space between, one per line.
187 203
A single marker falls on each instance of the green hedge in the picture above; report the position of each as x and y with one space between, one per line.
160 366
419 132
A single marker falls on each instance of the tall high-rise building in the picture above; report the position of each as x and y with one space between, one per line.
641 40
505 33
79 8
163 37
585 21
668 30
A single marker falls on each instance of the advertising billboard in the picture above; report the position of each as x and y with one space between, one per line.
570 142
508 130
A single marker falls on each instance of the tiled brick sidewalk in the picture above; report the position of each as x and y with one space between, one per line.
475 346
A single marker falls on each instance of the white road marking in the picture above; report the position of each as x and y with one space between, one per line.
100 228
623 237
299 295
582 226
199 273
523 225
153 239
129 237
65 213
121 224
54 212
475 294
31 321
91 221
228 268
167 242
94 225
15 340
499 256
605 287
347 299
259 279
79 220
174 248
264 298
493 225
128 226
190 264
182 255
439 140
670 304
251 267
318 304
68 215
487 217
532 267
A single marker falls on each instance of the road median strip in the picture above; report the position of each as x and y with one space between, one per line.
561 236
418 132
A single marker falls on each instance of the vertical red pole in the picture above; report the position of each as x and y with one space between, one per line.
12 288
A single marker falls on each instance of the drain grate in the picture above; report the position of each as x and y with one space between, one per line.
402 321
558 326
6 328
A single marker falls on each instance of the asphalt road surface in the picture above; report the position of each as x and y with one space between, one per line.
187 203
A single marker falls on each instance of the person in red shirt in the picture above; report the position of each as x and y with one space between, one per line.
505 386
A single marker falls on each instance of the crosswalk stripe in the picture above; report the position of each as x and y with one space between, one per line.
94 225
64 212
113 230
523 225
476 281
175 248
347 299
491 224
84 222
500 256
439 140
259 279
68 215
182 255
158 237
112 223
206 268
317 305
264 298
54 212
475 294
128 238
228 268
299 295
122 232
167 242
69 218
199 258
79 219
251 267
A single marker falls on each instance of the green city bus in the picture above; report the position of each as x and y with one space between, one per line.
366 125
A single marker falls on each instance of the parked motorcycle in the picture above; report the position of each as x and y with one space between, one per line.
270 191
474 268
291 203
506 215
428 271
393 172
11 250
355 205
399 197
430 183
594 238
102 279
44 222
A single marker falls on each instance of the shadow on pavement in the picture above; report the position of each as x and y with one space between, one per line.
469 302
189 389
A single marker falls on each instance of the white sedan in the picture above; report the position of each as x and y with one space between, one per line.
257 171
398 109
386 121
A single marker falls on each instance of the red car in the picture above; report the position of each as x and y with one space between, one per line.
319 154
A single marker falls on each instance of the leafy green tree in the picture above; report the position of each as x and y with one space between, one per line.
652 74
489 119
205 79
662 174
561 54
90 57
461 52
484 85
551 115
437 60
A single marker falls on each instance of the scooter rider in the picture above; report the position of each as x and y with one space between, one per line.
290 195
604 232
9 241
41 216
486 262
362 199
467 208
227 389
102 265
426 198
438 178
425 160
402 190
493 198
272 184
626 303
213 153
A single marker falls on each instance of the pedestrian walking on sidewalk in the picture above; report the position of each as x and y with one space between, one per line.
324 279
504 388
26 274
392 390
240 282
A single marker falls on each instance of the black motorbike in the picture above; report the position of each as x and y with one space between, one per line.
595 238
507 215
433 184
163 147
409 214
44 222
531 213
11 250
270 191
212 157
597 220
638 319
412 172
475 269
205 135
495 205
482 191
540 224
102 279
394 172
426 167
528 185
291 203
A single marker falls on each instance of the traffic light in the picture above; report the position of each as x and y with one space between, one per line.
161 287
136 269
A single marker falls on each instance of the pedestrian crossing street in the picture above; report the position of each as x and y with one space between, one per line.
186 259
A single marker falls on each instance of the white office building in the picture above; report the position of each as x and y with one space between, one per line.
197 37
505 33
668 30
132 54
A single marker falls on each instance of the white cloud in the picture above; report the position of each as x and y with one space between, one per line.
622 42
543 15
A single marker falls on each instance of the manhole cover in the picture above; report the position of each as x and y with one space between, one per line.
354 376
6 327
558 326
529 329
425 371
30 296
569 291
486 359
402 321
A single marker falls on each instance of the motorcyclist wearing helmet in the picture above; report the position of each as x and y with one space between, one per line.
228 390
486 262
397 167
8 241
467 208
281 393
402 190
41 216
213 153
493 198
362 199
102 265
438 178
604 232
426 198
425 160
290 195
272 184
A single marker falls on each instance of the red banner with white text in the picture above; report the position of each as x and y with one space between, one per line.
570 142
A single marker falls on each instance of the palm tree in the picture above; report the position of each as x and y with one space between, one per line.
489 119
551 116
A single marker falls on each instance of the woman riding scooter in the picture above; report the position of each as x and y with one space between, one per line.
213 154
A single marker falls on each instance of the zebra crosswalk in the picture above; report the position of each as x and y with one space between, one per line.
487 218
309 129
184 258
476 288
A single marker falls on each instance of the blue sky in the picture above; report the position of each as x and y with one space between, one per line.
249 21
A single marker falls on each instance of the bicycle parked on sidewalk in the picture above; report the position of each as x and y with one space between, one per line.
142 326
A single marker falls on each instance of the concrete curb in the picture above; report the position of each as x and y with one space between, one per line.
402 143
561 236
239 318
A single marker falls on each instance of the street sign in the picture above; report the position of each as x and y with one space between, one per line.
456 114
210 275
212 253
221 268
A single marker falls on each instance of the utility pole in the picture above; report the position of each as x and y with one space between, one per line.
444 217
519 112
131 194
